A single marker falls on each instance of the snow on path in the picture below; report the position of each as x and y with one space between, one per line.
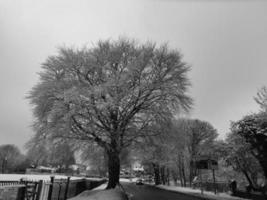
99 193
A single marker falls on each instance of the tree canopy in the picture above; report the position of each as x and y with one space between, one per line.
110 94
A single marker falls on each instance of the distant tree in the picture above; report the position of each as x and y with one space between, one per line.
23 164
153 152
10 158
200 136
175 151
61 155
109 94
253 128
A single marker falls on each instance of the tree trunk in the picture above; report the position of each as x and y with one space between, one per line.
245 173
113 169
168 176
263 163
191 173
156 173
180 174
174 176
183 172
162 175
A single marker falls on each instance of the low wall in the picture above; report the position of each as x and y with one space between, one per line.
75 187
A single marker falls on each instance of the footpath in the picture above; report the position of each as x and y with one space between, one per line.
100 193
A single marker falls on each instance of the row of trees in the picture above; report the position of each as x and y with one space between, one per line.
60 156
172 155
46 153
242 155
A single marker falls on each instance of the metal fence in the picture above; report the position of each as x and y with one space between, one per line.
54 189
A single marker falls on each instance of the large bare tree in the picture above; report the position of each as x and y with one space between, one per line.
109 94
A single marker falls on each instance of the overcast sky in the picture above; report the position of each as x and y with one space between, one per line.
225 42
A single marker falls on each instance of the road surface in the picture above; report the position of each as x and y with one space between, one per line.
146 192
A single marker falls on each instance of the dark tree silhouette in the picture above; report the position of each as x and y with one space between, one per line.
253 128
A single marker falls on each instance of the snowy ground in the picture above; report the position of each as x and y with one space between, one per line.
127 180
194 192
36 177
197 192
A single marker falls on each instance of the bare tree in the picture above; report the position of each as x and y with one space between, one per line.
189 139
109 94
261 98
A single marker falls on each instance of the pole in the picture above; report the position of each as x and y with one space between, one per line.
67 188
59 191
201 183
214 181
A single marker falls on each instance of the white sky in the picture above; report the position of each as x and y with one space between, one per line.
225 42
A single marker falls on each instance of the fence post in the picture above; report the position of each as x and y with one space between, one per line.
67 188
214 181
59 191
39 189
52 178
21 193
